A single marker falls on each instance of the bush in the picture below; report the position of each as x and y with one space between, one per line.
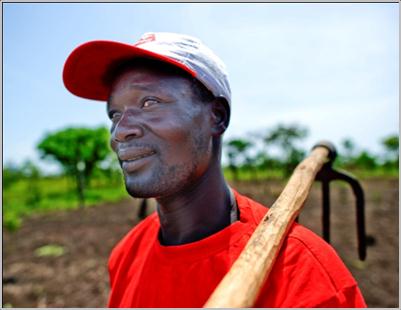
11 221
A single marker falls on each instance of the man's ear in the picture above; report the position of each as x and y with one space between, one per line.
220 115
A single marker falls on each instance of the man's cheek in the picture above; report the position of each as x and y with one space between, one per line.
173 132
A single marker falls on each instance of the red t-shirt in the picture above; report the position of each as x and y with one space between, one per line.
307 273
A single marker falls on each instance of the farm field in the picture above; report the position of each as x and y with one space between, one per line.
72 271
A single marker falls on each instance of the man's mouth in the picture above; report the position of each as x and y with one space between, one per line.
133 160
134 155
137 157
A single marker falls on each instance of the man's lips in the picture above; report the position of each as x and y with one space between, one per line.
132 155
133 159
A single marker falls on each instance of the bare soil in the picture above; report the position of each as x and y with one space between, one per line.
79 278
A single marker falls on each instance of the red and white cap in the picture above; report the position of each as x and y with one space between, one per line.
86 67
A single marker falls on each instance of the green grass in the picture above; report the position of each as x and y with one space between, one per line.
50 250
375 174
252 175
278 174
26 197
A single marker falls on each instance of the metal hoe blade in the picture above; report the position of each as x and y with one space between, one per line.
325 176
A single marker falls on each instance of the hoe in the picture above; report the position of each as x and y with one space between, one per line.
241 285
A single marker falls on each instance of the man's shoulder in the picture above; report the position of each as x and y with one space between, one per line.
313 250
309 267
304 250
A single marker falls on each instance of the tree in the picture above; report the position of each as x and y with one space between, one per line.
285 137
237 154
391 146
11 174
32 173
365 160
349 147
78 151
109 170
348 154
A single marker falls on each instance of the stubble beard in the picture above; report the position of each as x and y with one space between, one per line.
164 179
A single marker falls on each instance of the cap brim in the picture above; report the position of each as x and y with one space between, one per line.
86 67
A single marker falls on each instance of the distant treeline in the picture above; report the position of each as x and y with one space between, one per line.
90 172
84 153
280 149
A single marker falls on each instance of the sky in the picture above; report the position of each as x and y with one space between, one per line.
330 67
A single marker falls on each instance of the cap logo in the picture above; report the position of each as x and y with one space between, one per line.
146 38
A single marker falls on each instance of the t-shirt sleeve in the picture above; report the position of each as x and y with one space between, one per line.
309 274
348 297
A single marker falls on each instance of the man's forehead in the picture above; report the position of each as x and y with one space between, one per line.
149 80
139 86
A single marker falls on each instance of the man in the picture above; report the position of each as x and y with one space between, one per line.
168 99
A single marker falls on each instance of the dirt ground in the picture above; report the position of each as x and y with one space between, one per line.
79 277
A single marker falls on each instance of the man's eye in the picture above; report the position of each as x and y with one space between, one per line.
149 102
115 116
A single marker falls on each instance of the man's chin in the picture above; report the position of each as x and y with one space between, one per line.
142 188
150 189
137 192
139 186
156 183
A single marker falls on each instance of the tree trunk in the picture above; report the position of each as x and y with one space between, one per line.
80 182
234 170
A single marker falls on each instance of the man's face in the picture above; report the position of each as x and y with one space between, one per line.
160 132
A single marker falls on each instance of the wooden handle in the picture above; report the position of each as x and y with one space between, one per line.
240 286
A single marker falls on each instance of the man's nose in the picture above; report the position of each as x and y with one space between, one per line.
127 128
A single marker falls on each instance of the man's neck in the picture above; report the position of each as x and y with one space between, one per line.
195 213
